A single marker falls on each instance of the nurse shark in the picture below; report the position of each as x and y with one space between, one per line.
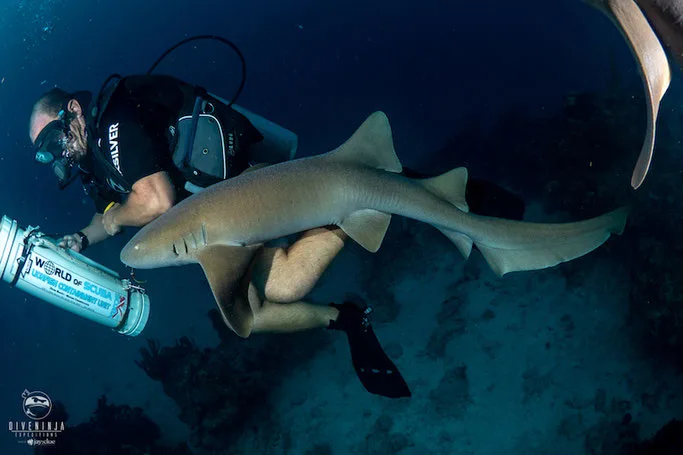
358 188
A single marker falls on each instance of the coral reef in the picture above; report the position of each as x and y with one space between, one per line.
534 384
381 439
112 429
620 437
617 433
319 449
451 323
451 397
221 391
667 441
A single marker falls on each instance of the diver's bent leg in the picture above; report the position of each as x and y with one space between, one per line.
288 275
291 317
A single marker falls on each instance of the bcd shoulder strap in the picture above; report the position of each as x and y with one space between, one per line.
96 111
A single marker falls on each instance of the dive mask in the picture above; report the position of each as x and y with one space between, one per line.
51 142
51 148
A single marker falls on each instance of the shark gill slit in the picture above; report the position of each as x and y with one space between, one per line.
204 240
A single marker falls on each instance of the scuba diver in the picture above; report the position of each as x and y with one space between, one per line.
147 142
124 159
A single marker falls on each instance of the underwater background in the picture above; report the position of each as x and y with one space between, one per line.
541 97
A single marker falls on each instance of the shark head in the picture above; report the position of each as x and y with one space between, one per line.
142 253
149 249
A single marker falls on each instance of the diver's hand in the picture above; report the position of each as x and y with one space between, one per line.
72 242
108 220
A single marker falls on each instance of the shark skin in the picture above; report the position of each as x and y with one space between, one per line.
356 187
652 62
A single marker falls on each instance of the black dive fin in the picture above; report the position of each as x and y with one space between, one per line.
374 368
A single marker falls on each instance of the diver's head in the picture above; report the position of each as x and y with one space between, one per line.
58 131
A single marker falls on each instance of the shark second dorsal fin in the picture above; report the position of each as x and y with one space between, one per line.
372 145
452 186
225 267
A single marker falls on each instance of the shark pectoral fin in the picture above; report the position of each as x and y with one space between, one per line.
367 227
533 246
451 186
225 268
372 144
654 69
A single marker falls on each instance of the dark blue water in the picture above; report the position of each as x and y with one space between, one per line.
317 68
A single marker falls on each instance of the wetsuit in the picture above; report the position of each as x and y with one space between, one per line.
135 136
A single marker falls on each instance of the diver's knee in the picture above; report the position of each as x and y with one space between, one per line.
285 291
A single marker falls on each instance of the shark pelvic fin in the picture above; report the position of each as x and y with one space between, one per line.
367 227
452 186
225 267
372 144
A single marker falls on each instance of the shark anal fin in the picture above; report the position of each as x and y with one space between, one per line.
225 268
372 145
367 227
461 241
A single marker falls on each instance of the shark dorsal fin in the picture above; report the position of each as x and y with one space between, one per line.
225 267
372 144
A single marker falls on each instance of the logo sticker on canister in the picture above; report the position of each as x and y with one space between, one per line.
70 286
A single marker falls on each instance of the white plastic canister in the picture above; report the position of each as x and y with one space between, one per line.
32 262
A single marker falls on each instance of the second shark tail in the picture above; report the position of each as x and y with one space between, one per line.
511 246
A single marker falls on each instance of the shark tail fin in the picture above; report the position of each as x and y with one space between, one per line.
511 246
372 145
452 187
654 69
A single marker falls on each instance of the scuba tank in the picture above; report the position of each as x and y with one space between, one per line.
33 263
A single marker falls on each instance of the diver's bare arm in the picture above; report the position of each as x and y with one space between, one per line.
95 233
286 275
95 230
150 197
